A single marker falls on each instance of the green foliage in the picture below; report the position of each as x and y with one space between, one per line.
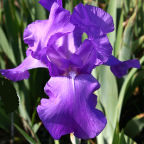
112 10
8 95
135 126
26 136
113 96
108 97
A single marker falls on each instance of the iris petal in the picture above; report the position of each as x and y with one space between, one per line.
48 3
37 34
59 52
119 68
92 20
94 53
71 107
21 72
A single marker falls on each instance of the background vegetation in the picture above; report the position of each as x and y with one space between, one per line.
122 100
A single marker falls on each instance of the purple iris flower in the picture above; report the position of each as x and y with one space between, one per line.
57 44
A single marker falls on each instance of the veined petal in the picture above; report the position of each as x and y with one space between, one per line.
61 61
77 33
119 68
92 20
21 72
103 48
71 107
94 53
37 34
88 55
60 52
60 20
48 3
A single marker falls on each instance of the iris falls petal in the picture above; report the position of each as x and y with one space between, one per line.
21 71
71 107
119 68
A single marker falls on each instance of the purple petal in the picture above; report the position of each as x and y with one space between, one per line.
94 53
119 68
92 20
20 72
71 107
88 55
103 48
60 52
60 20
37 34
48 3
54 70
77 33
61 61
63 42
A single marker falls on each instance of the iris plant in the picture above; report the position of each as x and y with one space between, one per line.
56 44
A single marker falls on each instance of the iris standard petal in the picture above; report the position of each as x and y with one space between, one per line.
119 68
90 54
92 20
61 61
64 43
34 35
94 53
60 52
21 72
37 34
48 3
87 53
77 33
71 107
103 48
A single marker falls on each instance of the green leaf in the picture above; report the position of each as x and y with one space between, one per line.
121 138
126 49
40 12
93 2
135 126
8 95
137 43
116 135
4 119
12 27
56 142
129 140
112 10
107 97
119 3
119 35
136 80
25 135
124 139
5 47
69 5
24 105
2 62
36 127
1 13
124 88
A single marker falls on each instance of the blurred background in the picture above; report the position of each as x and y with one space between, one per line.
121 100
